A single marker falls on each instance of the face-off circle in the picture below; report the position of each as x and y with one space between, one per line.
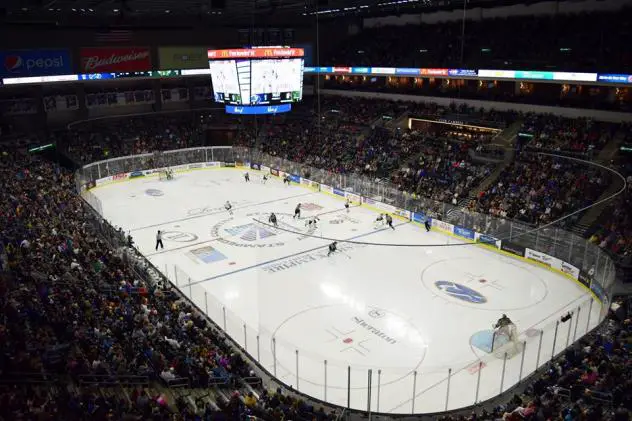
371 337
469 282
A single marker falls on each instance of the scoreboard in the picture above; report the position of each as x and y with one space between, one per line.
258 76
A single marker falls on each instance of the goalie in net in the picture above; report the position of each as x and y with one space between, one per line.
165 174
505 338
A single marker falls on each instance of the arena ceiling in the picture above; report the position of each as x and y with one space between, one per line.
224 11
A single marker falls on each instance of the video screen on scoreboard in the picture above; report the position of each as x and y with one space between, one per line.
276 81
225 81
257 81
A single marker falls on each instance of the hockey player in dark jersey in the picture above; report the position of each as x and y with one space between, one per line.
312 221
332 248
247 177
273 219
389 221
297 211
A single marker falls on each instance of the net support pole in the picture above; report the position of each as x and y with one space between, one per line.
379 385
557 326
297 389
537 361
502 374
414 391
589 313
478 381
175 272
447 391
348 387
325 391
258 350
368 395
579 308
568 334
224 315
245 338
524 351
274 356
206 302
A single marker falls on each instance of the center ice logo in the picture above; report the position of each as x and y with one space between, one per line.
259 234
250 232
461 292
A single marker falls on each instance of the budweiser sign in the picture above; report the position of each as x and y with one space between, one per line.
97 60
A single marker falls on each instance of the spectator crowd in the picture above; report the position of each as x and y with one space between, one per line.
75 305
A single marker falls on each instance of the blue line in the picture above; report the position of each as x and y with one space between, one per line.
284 257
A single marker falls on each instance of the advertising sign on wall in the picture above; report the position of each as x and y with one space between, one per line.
171 58
419 217
487 239
115 59
35 63
543 258
464 232
570 269
512 248
443 225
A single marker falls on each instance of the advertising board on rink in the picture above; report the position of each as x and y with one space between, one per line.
443 226
326 188
543 258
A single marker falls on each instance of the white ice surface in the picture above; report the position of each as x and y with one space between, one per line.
367 307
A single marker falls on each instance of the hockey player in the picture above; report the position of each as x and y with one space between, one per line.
286 180
427 224
504 326
247 177
332 248
297 211
347 203
159 240
389 221
273 219
264 179
502 322
312 221
228 207
379 220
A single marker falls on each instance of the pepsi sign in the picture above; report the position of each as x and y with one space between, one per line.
35 63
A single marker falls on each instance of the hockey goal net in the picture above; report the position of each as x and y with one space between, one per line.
165 174
505 341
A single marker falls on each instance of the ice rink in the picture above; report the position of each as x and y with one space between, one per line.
419 318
